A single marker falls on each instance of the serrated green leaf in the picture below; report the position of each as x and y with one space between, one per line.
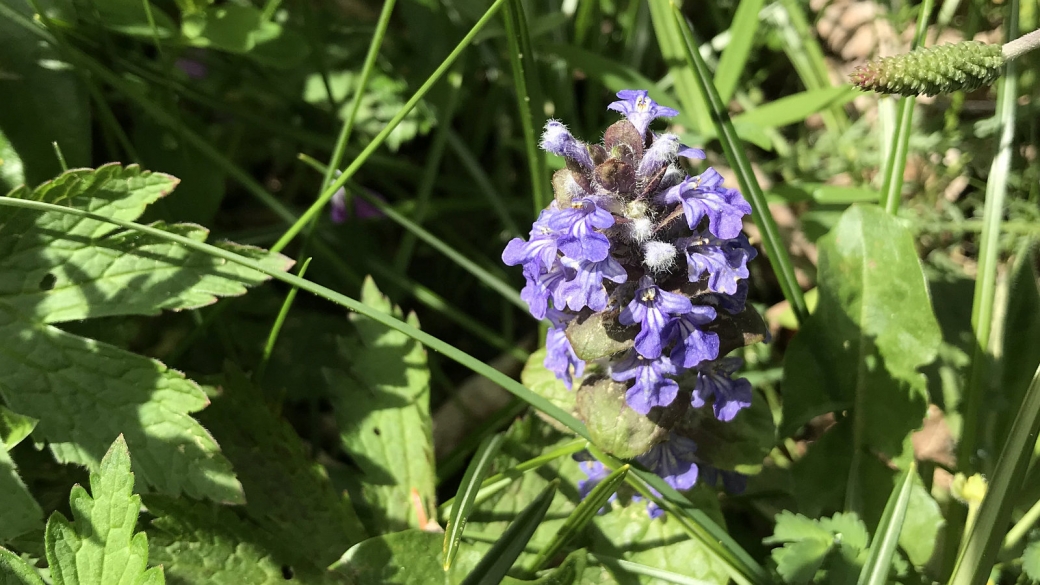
1031 560
19 512
44 100
382 405
411 557
837 545
288 495
14 427
85 393
99 546
55 267
863 346
15 571
205 544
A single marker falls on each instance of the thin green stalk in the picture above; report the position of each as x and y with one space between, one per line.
272 337
429 176
878 565
489 280
731 144
519 50
331 189
1022 527
989 247
973 403
60 156
449 351
466 495
892 185
979 552
366 71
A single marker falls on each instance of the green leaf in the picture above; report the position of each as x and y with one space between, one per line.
412 557
837 544
872 329
234 28
14 427
1020 354
56 267
382 405
19 512
734 57
12 171
15 571
288 495
45 101
204 544
99 546
1031 560
795 108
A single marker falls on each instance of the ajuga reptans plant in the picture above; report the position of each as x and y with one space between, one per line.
641 272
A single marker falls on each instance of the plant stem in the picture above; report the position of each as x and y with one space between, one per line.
1022 45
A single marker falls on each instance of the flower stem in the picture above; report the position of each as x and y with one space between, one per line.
1022 45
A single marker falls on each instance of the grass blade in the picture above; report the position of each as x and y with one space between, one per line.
774 246
467 495
879 560
734 57
673 49
500 558
500 481
528 101
979 552
272 337
623 566
376 142
585 511
892 183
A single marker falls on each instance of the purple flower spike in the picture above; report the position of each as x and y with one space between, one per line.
651 308
704 196
540 250
577 223
693 345
636 105
725 261
674 461
586 289
560 358
731 396
558 140
651 387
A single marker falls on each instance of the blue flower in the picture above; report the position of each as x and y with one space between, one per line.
540 250
704 196
724 261
732 482
586 288
652 387
540 287
732 304
674 461
693 345
665 149
636 105
558 140
731 395
579 240
560 358
651 308
596 472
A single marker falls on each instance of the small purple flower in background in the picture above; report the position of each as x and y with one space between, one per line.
193 68
612 244
339 213
639 109
731 395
